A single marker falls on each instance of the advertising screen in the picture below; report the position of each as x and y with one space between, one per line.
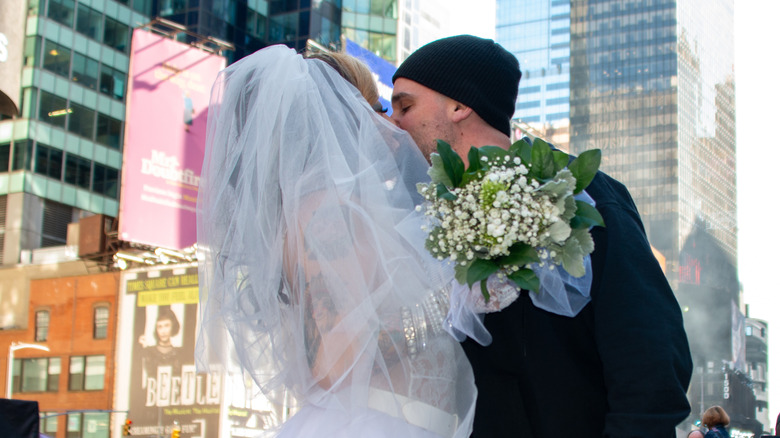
163 388
169 87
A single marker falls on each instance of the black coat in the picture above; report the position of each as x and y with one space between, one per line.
620 368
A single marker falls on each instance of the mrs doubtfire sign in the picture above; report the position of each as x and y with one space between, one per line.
165 137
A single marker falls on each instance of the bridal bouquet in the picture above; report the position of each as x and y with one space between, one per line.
510 210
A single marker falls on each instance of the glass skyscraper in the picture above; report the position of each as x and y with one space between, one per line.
652 85
537 32
60 157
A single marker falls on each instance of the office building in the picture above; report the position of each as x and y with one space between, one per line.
756 343
60 156
652 85
537 32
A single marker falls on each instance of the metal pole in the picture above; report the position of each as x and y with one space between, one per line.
10 371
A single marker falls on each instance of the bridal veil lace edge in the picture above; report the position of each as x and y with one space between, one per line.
306 279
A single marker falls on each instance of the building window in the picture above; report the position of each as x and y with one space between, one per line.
81 121
48 161
87 373
61 11
53 109
77 171
48 423
85 71
41 326
36 375
112 82
56 58
87 425
22 158
109 131
88 22
100 326
5 156
105 180
284 27
116 35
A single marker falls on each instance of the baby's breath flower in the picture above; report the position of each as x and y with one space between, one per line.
490 215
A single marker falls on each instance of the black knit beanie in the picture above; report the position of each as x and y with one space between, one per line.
476 72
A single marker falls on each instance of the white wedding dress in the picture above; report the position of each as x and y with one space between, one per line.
312 265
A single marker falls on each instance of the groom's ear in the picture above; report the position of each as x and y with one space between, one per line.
459 111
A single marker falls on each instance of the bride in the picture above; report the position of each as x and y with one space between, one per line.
313 268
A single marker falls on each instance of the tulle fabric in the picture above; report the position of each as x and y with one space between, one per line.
304 270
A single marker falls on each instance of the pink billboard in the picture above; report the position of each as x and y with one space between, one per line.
165 136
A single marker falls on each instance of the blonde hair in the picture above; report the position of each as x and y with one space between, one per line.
352 70
715 416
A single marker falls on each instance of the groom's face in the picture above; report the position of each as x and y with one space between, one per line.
423 113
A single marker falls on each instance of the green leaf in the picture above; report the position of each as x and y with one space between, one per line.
586 216
584 239
452 163
479 270
525 279
542 162
572 252
471 176
560 185
559 231
522 148
462 271
437 173
485 292
443 193
520 254
474 163
493 153
561 160
584 168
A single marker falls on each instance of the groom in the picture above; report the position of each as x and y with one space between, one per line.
621 367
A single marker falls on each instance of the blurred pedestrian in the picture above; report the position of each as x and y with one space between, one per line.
716 419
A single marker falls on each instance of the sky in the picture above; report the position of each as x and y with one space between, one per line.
758 94
757 76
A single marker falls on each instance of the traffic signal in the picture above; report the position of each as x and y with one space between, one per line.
126 428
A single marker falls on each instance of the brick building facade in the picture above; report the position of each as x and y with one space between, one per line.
75 318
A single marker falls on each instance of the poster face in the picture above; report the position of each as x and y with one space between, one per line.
164 388
169 87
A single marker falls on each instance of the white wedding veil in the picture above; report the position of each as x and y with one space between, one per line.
304 270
